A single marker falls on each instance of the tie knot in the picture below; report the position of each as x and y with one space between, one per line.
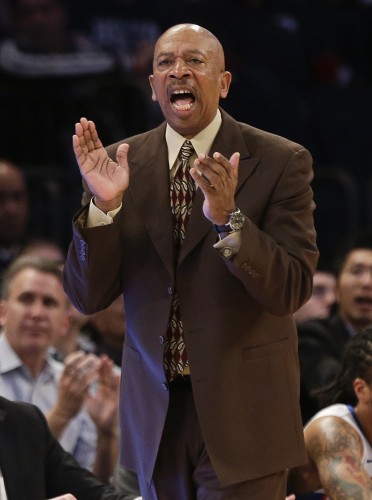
187 150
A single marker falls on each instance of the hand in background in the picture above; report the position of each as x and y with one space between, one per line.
102 402
80 372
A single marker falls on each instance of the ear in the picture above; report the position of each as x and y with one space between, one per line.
362 390
226 78
66 322
2 312
153 94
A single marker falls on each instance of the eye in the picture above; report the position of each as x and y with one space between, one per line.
357 270
196 60
164 62
26 298
50 302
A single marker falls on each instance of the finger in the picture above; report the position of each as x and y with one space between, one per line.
86 369
122 154
71 362
94 135
203 168
234 160
73 357
201 179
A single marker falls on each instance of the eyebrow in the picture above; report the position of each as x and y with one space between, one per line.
190 52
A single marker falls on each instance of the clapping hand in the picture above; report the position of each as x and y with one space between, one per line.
107 179
217 177
102 401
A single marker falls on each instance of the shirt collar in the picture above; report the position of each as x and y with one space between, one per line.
9 360
202 142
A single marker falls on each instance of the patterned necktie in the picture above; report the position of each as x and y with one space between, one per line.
181 193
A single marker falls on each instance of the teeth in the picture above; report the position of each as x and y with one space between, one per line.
181 92
183 107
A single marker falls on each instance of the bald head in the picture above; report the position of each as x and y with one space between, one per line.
202 33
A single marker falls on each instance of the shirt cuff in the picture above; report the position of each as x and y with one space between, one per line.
98 218
230 245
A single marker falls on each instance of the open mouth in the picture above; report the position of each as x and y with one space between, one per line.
182 100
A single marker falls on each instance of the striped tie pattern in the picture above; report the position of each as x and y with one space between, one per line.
181 193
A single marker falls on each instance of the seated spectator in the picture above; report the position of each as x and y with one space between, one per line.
322 341
72 340
44 43
80 398
338 437
35 466
322 299
14 212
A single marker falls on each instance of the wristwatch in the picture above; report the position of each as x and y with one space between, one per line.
236 221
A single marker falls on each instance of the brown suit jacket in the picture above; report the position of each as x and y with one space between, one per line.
237 314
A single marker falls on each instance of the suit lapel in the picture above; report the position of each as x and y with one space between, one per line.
149 190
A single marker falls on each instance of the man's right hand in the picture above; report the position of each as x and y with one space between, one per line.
106 179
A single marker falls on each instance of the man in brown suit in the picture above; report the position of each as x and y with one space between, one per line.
226 423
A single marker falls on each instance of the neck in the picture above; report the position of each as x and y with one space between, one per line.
34 362
68 344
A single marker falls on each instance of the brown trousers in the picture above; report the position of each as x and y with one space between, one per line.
183 470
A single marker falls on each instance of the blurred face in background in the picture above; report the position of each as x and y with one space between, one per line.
354 289
34 312
322 299
14 205
40 26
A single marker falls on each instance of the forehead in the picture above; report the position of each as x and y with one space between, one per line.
37 283
359 256
11 179
323 278
191 39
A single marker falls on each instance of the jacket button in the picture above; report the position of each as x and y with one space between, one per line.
227 252
165 386
170 290
161 339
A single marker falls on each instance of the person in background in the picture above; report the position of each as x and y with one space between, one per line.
209 299
79 397
14 212
323 297
43 42
73 339
34 465
322 341
338 438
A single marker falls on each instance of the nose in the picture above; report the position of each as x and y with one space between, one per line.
37 309
179 69
367 277
330 297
